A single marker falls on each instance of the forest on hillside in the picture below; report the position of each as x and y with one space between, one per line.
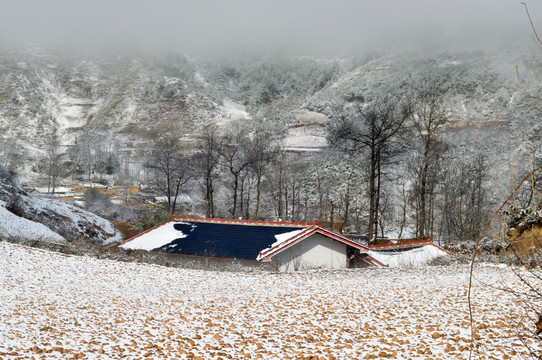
374 145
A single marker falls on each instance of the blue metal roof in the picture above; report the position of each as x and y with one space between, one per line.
224 240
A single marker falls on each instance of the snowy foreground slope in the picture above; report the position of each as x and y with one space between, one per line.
27 218
58 306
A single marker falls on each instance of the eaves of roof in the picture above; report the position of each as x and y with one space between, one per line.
266 254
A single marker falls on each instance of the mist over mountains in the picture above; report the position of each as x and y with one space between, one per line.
129 100
210 26
107 84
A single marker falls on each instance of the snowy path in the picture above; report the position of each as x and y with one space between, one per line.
58 306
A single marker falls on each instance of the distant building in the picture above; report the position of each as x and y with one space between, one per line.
289 246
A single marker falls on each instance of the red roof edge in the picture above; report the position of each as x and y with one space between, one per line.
402 244
441 248
267 254
371 260
144 232
243 222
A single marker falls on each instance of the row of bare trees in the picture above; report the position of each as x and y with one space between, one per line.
387 164
236 161
433 190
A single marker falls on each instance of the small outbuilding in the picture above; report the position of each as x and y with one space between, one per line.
289 246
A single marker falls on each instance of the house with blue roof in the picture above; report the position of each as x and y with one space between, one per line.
290 246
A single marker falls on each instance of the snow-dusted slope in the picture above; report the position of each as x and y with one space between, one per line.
131 99
27 218
13 226
57 306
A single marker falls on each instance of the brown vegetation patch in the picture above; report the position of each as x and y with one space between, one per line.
526 242
126 228
67 218
492 124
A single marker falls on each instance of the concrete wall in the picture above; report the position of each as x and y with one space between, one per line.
316 251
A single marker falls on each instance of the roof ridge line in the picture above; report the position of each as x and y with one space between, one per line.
303 234
243 222
269 250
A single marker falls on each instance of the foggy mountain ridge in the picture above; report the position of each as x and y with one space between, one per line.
127 101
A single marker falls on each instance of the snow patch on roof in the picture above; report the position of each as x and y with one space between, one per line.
158 237
283 240
285 236
410 258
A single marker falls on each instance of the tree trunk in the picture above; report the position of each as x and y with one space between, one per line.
372 189
209 196
279 196
235 188
421 232
377 196
258 193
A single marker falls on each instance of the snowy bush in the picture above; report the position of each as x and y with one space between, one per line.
5 175
16 205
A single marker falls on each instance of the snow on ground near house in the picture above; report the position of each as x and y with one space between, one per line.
415 257
12 225
160 236
58 306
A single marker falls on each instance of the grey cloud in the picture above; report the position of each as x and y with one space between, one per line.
315 25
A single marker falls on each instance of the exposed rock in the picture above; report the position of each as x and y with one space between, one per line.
30 218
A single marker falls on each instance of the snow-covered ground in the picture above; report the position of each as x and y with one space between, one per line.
58 306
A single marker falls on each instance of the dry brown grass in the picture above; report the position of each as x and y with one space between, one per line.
527 242
126 228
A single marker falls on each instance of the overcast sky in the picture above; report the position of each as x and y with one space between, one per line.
311 25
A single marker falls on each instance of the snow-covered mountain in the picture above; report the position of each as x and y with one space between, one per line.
126 101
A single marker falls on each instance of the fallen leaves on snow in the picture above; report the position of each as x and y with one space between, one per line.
78 307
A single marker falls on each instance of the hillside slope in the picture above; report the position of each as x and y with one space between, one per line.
122 103
26 218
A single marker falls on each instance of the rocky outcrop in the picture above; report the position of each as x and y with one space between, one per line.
29 218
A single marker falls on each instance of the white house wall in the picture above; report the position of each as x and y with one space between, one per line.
316 251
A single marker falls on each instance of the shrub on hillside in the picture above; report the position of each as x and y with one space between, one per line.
100 204
5 175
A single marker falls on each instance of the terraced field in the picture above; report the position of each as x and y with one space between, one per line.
57 306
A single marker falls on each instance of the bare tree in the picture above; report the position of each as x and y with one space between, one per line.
278 178
236 160
84 155
373 130
10 155
262 154
464 199
207 161
53 161
428 116
171 169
